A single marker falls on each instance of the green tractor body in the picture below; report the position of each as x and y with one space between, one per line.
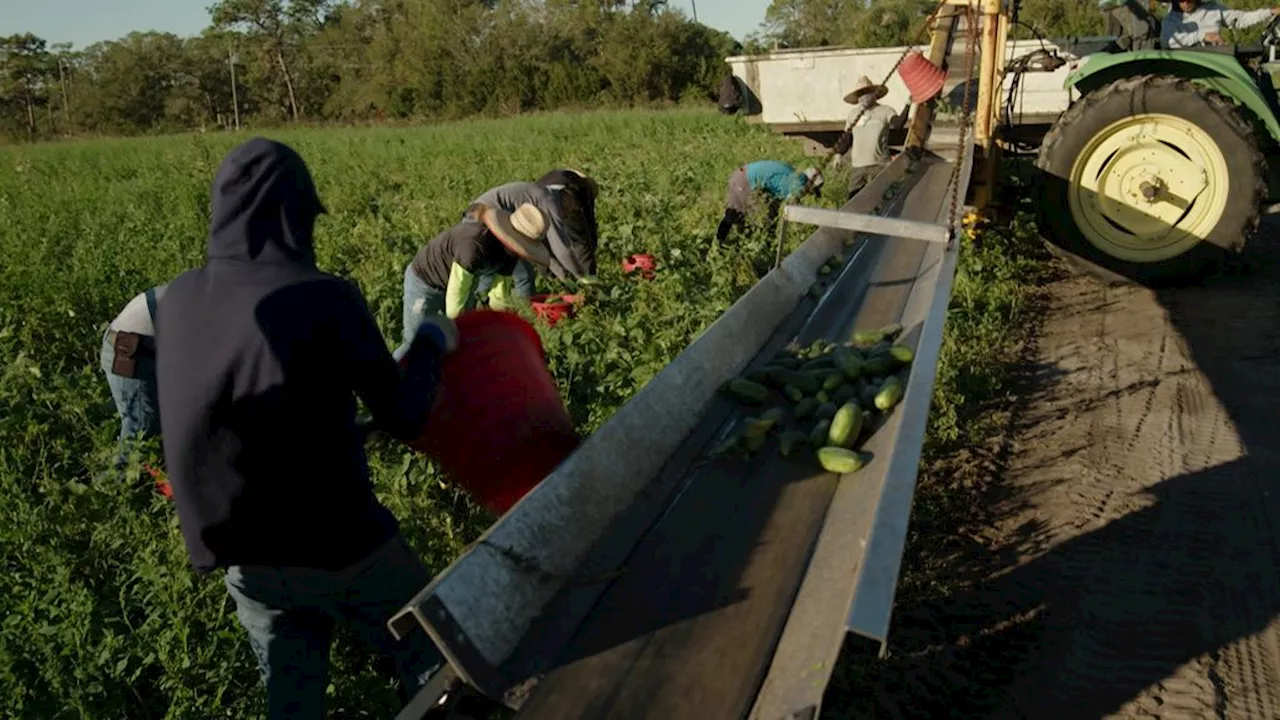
1159 170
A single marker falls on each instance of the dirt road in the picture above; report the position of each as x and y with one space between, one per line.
1122 561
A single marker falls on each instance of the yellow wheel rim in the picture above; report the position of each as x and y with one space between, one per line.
1148 188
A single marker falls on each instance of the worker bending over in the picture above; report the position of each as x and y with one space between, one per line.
768 181
128 359
866 133
260 358
1191 23
574 195
487 244
573 254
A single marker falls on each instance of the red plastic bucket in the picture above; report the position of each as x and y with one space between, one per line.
498 426
643 262
554 308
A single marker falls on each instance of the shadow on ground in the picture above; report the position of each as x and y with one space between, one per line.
1001 617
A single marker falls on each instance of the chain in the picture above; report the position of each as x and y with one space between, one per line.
924 30
971 31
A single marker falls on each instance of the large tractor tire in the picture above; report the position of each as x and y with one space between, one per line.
1151 180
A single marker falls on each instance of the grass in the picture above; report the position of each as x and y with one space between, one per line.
100 614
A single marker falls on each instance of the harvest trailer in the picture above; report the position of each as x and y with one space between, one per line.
650 576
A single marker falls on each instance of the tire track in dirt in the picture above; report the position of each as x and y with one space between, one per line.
1130 567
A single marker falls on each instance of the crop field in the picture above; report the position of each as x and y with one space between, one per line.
100 614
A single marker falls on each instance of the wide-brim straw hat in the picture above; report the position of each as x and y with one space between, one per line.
864 86
520 231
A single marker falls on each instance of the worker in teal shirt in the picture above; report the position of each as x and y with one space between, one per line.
770 181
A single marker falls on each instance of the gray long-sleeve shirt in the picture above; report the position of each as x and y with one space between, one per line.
1180 30
559 238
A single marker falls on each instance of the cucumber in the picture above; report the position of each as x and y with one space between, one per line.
760 377
823 396
805 408
774 415
807 383
878 364
867 394
793 393
745 391
824 270
824 364
891 331
848 362
786 362
867 338
789 442
902 354
846 393
815 291
833 381
826 411
753 443
846 426
757 427
890 394
840 460
818 436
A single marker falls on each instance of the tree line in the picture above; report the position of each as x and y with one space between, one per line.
268 62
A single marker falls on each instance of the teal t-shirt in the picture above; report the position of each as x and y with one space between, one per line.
776 178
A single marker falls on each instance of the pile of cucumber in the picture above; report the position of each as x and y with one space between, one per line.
825 397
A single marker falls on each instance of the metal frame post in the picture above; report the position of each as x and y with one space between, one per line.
995 33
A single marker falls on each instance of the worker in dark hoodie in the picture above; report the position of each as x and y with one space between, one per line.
260 358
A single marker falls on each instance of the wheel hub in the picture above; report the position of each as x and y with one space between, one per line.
1151 187
1148 187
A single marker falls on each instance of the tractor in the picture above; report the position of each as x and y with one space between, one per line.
1158 172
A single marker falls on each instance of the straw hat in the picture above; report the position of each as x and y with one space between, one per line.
521 231
864 86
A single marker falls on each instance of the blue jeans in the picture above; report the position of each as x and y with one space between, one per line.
290 614
523 281
135 397
420 300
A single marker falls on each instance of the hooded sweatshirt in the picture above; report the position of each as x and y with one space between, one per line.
578 207
260 357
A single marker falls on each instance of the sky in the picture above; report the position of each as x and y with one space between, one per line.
84 22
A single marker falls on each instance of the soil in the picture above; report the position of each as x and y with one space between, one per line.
1115 554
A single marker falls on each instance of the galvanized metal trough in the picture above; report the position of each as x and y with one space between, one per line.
643 580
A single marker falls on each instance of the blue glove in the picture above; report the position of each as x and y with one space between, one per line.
440 331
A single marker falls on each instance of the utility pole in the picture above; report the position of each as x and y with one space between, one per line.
66 104
235 101
694 3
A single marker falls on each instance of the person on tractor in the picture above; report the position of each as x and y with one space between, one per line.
770 181
488 243
1191 23
260 357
